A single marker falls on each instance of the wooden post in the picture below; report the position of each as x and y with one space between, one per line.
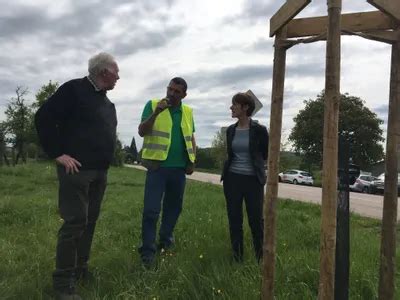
330 149
275 127
389 219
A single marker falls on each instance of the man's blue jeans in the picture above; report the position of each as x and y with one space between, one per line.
164 185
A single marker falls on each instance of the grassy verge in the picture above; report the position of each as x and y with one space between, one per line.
199 267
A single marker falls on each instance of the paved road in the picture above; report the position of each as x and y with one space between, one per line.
363 204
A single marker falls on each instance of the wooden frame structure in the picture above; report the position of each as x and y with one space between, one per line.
381 25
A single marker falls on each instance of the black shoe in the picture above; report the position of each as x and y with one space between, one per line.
163 247
83 275
238 257
148 262
67 296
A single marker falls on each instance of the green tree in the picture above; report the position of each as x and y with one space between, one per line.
205 159
44 93
289 160
34 148
219 148
119 155
355 120
18 118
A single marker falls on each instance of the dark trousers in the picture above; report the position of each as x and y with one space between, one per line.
166 186
80 197
236 188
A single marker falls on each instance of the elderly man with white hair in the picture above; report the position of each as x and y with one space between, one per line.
77 128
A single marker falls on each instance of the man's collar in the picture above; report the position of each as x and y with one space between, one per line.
177 108
91 80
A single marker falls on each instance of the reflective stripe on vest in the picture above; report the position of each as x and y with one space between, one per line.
160 134
156 144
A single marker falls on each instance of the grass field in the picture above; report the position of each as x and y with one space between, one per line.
200 266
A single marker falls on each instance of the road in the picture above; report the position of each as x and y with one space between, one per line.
362 204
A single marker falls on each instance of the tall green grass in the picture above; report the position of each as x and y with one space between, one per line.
199 267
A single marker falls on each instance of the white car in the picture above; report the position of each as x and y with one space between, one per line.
362 183
296 177
378 186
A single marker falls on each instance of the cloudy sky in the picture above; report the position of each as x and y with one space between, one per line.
220 48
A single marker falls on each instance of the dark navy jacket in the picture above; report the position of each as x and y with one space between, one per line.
79 121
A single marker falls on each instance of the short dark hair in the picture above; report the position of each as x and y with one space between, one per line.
244 99
180 81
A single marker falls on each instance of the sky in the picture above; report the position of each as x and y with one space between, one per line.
219 47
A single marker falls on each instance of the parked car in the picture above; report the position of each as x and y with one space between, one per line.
296 177
378 186
362 183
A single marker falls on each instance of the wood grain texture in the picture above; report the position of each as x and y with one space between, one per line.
287 12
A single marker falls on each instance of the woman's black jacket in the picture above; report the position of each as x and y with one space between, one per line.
258 147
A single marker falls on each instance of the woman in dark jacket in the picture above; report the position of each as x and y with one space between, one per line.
244 174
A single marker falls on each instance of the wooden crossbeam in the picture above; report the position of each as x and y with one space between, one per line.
287 12
384 36
356 22
390 7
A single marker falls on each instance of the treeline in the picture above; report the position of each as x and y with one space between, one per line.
18 138
19 141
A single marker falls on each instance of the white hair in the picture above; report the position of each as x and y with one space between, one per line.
99 63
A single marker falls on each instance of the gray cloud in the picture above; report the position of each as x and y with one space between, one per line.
254 9
25 21
262 45
145 40
86 20
238 76
229 77
261 11
37 46
381 110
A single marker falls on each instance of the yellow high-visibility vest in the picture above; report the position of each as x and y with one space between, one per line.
156 144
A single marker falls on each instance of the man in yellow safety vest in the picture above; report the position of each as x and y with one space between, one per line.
168 152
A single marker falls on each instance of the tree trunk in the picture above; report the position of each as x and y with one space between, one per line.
387 270
17 158
330 153
269 246
13 158
6 159
23 154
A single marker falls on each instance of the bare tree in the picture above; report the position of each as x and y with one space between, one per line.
18 118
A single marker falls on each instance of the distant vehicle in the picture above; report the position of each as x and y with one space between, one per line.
362 183
296 177
378 186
